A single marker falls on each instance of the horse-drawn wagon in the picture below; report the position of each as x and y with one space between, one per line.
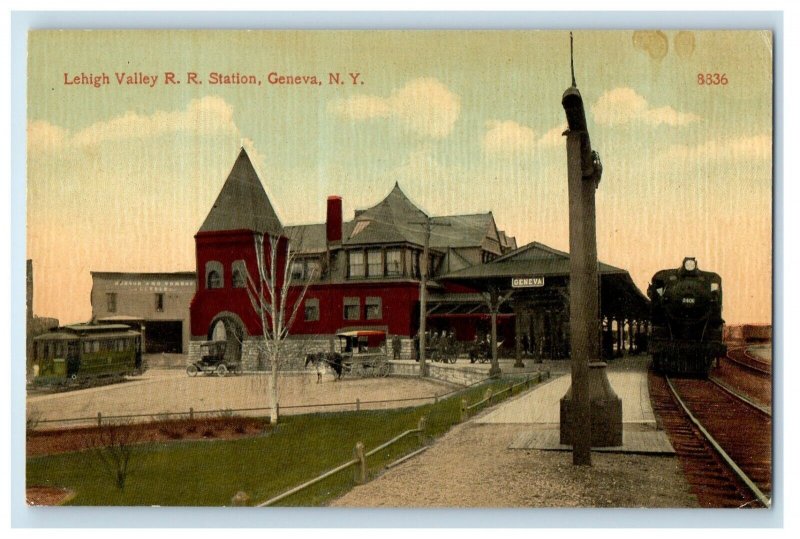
358 358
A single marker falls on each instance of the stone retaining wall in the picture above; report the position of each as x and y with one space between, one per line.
440 371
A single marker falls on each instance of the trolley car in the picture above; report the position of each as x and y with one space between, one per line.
86 351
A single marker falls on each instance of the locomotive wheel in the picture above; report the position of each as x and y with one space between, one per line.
192 370
222 370
452 359
384 369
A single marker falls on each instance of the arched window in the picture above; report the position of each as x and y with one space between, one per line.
214 275
239 274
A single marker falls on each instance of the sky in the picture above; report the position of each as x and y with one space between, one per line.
121 176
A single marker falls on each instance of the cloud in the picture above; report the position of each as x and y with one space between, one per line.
621 106
424 106
202 116
750 148
509 138
46 136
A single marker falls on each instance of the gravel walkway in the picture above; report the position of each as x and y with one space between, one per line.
471 466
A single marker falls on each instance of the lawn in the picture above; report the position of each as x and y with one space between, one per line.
210 472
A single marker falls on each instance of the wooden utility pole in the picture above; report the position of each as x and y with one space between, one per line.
423 291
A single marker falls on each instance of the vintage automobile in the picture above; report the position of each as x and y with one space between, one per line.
212 360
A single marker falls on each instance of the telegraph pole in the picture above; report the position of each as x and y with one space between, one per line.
423 291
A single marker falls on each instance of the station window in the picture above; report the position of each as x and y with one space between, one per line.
214 274
311 310
313 269
356 263
159 302
95 346
111 302
415 265
374 263
297 270
239 273
87 347
352 309
394 262
374 310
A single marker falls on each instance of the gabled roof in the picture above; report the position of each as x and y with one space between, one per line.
532 259
242 204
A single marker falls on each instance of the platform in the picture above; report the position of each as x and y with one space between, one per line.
539 408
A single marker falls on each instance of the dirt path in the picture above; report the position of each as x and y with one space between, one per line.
176 392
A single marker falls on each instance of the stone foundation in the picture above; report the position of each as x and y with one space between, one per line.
605 407
294 352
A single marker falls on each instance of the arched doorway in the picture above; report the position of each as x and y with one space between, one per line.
228 327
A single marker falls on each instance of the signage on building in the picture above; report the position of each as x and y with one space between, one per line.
527 282
150 285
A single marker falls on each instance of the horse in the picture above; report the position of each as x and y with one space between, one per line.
332 359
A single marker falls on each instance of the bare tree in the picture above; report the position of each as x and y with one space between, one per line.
115 445
276 301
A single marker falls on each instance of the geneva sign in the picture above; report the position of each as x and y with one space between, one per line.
527 282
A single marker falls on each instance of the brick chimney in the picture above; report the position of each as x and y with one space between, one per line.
333 222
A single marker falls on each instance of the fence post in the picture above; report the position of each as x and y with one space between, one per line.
361 466
489 395
99 419
358 404
463 409
191 413
421 426
528 382
436 398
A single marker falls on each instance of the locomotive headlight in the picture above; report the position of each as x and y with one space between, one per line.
690 264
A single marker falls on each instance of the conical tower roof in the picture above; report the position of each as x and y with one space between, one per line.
242 203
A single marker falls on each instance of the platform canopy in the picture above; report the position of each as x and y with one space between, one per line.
536 269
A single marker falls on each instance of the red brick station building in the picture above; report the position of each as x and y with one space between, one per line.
365 274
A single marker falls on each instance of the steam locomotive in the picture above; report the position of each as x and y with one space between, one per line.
686 320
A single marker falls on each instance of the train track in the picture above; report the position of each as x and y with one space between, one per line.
724 444
742 358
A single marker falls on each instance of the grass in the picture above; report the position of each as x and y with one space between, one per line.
210 472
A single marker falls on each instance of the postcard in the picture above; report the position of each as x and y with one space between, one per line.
413 268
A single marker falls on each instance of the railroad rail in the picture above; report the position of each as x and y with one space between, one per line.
744 359
724 445
766 410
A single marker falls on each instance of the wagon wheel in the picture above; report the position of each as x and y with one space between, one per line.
222 370
192 370
384 369
452 355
